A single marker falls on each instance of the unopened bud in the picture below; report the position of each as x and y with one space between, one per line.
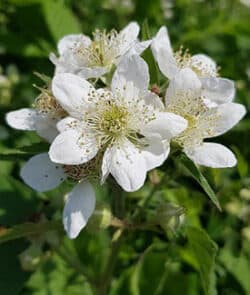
154 177
246 233
169 217
101 218
245 194
31 257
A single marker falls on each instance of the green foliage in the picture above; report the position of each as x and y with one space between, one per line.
197 175
204 251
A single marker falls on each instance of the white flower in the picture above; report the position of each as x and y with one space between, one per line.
80 55
215 90
184 97
126 124
43 175
42 118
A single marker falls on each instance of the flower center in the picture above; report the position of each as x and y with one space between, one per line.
103 50
109 119
192 108
112 117
114 121
202 67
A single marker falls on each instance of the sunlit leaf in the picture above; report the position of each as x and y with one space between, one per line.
199 177
204 250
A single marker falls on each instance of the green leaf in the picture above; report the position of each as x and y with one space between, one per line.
24 152
242 163
17 202
198 176
15 156
12 277
239 267
148 56
35 148
60 19
28 230
55 276
204 251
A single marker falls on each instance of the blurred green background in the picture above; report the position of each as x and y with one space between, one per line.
148 263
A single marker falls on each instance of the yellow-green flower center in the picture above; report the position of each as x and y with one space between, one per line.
103 50
114 120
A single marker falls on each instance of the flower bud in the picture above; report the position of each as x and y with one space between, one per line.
245 194
31 257
101 218
169 217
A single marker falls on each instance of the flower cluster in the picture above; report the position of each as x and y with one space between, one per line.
121 128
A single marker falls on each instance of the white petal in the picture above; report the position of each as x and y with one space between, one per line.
131 69
71 148
129 35
127 90
106 162
71 92
210 104
228 115
204 63
69 41
94 72
23 119
138 48
127 165
68 63
79 206
155 154
218 90
163 53
151 98
41 174
131 31
46 127
67 124
162 40
212 155
186 81
65 63
165 126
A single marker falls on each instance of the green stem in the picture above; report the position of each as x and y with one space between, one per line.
146 200
119 210
123 224
29 230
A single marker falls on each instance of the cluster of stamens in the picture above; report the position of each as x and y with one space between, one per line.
201 68
46 103
87 171
194 110
102 51
112 117
183 58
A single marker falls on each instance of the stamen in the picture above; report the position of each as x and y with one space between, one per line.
200 122
200 67
87 171
183 58
102 51
113 118
46 103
